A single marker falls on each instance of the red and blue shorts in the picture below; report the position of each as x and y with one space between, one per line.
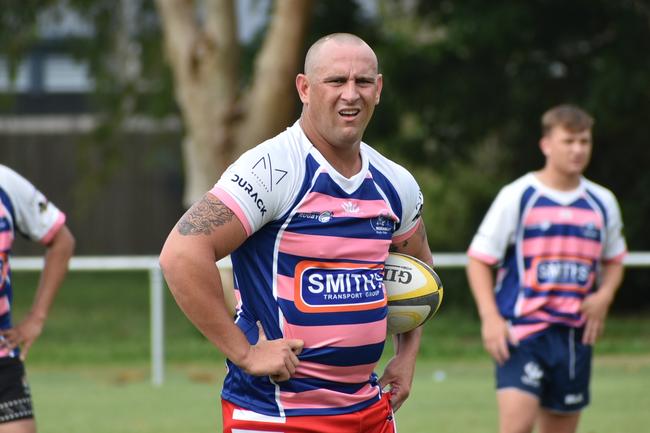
377 418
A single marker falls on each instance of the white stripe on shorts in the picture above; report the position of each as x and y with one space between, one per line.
249 415
572 354
238 430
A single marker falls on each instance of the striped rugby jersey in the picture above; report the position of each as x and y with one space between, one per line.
549 245
25 209
312 267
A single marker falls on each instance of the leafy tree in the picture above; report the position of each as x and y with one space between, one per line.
466 83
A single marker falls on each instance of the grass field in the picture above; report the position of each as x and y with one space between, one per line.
89 371
447 397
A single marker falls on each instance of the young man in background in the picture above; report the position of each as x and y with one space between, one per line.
557 240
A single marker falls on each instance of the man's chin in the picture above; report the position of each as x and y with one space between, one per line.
349 139
578 169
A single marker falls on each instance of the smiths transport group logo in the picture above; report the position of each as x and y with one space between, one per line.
322 287
559 273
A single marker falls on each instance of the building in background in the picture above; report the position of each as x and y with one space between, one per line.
121 198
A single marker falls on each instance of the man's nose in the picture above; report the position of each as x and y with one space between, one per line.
350 92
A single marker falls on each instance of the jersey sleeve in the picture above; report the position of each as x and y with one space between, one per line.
615 248
497 231
259 186
36 217
413 201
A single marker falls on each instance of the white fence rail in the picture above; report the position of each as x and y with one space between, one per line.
156 289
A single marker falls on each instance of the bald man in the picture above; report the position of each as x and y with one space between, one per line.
308 218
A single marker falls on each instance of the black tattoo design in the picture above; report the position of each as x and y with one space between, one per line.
421 232
204 216
396 248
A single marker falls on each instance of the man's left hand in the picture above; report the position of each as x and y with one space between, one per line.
595 308
22 335
398 375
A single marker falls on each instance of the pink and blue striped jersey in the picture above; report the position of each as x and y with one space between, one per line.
312 269
22 209
549 245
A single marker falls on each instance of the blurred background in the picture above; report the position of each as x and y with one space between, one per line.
123 112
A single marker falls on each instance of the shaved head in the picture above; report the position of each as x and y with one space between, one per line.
313 58
339 91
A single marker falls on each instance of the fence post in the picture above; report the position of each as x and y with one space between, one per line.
157 305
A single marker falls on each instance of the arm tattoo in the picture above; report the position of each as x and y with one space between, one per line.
204 216
421 232
395 248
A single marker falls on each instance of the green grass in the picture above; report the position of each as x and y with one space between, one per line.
121 399
447 397
89 370
103 317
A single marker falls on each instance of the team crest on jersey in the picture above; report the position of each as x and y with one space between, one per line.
563 272
591 231
383 225
326 287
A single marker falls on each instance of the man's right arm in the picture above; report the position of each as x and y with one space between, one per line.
207 232
494 328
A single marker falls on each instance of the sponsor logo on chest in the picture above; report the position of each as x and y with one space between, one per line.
321 287
322 217
570 272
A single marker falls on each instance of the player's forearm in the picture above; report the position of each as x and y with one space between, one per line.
481 283
57 257
416 246
612 277
407 345
195 283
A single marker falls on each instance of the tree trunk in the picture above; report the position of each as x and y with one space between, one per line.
205 62
272 101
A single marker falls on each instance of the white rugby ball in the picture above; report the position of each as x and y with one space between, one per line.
414 292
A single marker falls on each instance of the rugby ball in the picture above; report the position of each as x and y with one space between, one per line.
414 292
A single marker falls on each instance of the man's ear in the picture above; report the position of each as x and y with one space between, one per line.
544 145
380 85
302 85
